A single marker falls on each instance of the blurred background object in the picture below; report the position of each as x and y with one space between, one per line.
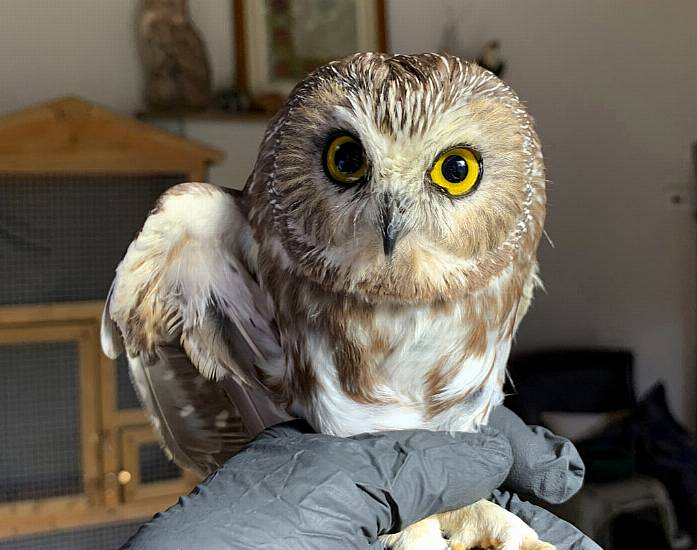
490 58
641 464
174 55
279 42
453 42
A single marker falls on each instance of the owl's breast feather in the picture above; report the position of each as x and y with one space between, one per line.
410 367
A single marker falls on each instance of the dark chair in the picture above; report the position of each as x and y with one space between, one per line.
579 381
550 384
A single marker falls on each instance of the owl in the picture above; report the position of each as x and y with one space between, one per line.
370 276
174 57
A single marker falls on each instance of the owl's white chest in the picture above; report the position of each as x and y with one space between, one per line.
427 378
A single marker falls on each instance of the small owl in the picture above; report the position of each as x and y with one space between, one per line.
370 276
174 56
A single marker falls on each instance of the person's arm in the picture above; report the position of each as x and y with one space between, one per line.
294 489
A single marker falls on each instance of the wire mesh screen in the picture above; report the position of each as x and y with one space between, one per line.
126 397
61 236
40 452
154 465
106 537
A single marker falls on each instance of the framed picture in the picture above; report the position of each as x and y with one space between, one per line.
278 42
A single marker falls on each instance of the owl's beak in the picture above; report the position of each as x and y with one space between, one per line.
391 224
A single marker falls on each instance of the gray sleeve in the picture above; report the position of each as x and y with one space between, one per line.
293 489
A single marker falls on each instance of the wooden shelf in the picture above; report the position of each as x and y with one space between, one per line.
252 116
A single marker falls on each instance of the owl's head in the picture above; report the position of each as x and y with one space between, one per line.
401 178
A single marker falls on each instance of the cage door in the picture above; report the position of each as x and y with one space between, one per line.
49 422
146 471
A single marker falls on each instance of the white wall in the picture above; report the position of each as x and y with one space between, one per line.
613 87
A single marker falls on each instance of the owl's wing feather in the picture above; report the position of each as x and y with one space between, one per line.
199 426
184 306
109 336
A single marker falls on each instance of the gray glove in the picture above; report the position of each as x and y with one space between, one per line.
546 467
294 489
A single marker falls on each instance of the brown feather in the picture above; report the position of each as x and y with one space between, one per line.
198 424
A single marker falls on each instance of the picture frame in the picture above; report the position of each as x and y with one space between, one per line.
275 48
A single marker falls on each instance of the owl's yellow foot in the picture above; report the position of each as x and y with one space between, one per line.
480 525
487 525
423 535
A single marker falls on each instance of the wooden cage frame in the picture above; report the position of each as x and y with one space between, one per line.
72 136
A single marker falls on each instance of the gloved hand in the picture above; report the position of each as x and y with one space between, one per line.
547 467
294 489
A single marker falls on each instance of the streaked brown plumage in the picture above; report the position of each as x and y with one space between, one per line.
300 288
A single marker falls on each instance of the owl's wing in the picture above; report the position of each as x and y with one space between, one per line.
189 315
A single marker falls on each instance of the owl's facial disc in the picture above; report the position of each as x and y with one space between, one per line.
401 178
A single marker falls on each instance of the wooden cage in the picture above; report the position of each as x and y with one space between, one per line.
76 451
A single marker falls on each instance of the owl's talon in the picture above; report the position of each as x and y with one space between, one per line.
538 545
423 535
487 525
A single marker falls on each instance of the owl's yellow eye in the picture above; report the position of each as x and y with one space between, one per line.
344 160
457 171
